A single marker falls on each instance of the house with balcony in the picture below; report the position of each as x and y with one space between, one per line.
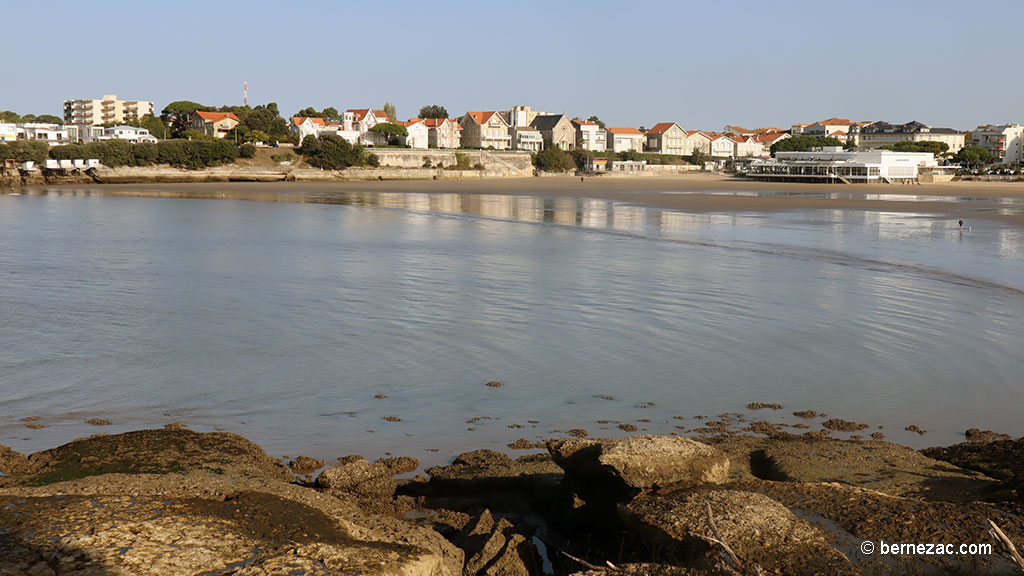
590 135
216 124
829 128
526 138
52 134
721 146
696 141
623 138
1004 141
306 126
443 133
747 146
666 138
485 130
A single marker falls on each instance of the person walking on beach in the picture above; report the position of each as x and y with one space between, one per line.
961 224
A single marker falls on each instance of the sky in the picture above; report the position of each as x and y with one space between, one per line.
700 64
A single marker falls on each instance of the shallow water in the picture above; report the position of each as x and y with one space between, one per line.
282 321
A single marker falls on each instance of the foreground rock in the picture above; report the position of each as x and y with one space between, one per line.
759 530
223 507
494 549
150 452
372 484
636 463
1000 459
890 468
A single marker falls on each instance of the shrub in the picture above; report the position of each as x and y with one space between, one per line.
22 151
553 159
145 153
372 160
247 151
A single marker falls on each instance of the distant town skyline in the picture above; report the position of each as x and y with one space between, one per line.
698 64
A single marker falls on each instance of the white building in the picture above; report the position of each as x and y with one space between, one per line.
419 134
1004 141
833 164
306 126
108 110
590 136
526 138
620 139
8 132
129 133
746 146
721 145
52 134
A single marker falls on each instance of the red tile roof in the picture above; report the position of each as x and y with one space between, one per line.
624 131
360 113
770 137
661 128
583 122
694 133
481 117
835 122
216 116
300 119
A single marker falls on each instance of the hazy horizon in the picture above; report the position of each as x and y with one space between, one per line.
754 64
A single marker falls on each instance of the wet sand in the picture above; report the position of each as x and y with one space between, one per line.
1002 201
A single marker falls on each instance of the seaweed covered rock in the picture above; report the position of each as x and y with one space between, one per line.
640 462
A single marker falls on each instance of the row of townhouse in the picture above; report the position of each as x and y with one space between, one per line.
61 134
670 138
875 134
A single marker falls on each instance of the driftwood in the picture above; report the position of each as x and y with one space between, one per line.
611 568
1005 543
731 559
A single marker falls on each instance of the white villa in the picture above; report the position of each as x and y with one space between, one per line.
623 138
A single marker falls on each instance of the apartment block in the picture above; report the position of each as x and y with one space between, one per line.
1005 141
108 110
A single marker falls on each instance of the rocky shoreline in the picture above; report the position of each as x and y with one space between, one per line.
174 501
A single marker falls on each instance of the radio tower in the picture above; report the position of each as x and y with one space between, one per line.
245 93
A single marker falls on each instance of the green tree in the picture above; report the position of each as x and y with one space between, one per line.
433 111
332 152
553 159
937 148
49 119
630 155
178 114
699 157
247 151
597 121
389 109
391 131
9 116
582 157
803 143
974 156
267 119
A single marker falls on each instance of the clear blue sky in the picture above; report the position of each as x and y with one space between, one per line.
701 64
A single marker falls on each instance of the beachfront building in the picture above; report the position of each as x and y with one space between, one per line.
556 129
879 134
836 165
665 138
590 135
797 129
52 134
362 119
132 134
768 138
108 110
747 146
1004 141
526 138
621 139
216 124
696 141
485 130
443 133
721 146
418 134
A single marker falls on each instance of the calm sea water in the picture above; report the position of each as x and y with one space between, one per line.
282 321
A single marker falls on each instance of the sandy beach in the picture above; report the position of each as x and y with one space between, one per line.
697 193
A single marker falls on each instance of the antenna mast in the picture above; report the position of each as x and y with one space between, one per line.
245 93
